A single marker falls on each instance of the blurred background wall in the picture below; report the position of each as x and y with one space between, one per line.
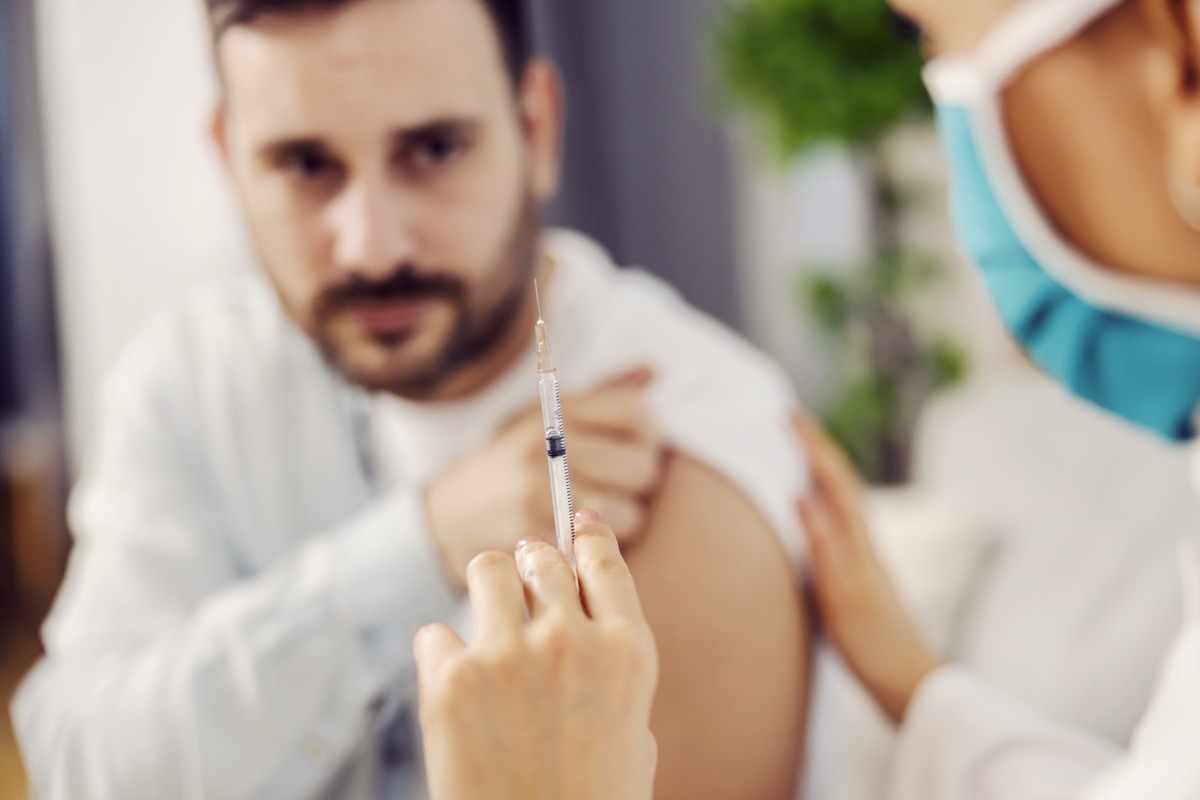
140 207
650 170
32 465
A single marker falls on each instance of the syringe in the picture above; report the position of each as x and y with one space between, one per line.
556 443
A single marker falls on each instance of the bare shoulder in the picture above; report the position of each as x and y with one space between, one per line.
722 597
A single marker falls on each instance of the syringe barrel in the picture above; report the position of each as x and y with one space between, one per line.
551 403
564 509
556 457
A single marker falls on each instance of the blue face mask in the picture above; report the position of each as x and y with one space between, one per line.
1129 346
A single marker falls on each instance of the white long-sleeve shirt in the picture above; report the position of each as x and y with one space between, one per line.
252 557
237 598
963 739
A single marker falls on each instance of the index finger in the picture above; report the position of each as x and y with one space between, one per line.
830 466
605 582
497 596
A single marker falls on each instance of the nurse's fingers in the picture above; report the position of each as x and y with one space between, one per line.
837 481
832 472
433 647
831 546
497 597
549 581
604 578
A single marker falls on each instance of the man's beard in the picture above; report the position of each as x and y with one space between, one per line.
483 314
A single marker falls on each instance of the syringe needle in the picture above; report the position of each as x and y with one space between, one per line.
544 358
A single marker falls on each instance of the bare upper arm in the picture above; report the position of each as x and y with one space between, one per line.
733 642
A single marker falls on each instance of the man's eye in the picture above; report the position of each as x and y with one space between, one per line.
435 152
906 27
310 167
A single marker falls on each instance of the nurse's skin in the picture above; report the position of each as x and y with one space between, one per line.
1138 71
1118 71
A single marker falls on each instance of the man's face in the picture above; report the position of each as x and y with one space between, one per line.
390 180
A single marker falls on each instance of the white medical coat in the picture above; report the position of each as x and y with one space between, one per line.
965 740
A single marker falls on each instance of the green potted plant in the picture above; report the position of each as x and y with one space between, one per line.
835 71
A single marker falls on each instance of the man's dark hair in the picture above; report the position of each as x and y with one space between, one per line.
508 16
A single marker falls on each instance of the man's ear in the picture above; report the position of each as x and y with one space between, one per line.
1173 81
218 132
541 101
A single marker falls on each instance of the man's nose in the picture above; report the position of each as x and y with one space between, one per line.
372 225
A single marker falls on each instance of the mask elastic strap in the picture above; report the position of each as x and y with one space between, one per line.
1030 29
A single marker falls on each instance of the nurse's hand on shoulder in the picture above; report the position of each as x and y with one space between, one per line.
552 698
500 492
862 614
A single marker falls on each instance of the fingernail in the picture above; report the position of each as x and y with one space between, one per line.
812 504
587 517
524 545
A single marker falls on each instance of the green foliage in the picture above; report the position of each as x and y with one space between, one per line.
886 372
820 70
828 301
834 71
900 273
947 362
861 422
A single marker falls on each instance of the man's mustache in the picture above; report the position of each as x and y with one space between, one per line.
406 283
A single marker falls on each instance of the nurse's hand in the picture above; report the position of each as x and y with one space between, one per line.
552 699
863 615
500 493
